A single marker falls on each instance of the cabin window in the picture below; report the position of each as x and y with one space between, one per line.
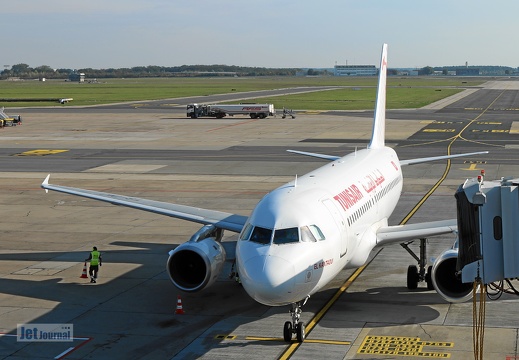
286 236
245 234
261 235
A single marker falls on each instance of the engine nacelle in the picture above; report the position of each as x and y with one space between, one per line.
445 280
195 265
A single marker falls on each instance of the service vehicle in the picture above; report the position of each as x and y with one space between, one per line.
218 111
9 120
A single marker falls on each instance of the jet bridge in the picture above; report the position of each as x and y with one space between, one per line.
488 226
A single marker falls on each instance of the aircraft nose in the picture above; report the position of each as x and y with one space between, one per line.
268 279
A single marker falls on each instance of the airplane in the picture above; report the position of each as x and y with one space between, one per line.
302 234
64 100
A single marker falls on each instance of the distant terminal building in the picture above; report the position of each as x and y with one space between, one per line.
468 72
355 70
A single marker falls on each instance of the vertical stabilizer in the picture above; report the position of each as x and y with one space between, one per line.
379 120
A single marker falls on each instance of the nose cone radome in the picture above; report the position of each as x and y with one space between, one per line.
268 279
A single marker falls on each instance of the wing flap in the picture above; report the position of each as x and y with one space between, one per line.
223 220
400 233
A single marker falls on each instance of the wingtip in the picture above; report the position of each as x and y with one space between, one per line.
45 183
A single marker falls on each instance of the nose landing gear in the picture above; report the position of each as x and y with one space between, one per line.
295 326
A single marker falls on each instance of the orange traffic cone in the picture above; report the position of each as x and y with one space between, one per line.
84 274
179 306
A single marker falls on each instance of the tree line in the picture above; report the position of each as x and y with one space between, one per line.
24 71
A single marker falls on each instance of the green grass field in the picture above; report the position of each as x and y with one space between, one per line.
403 92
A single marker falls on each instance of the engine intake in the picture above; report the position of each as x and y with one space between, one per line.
195 265
446 281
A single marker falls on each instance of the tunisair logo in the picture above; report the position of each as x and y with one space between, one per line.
371 181
349 196
352 194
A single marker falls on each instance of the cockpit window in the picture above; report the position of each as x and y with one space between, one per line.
317 232
261 235
246 232
306 235
311 233
286 236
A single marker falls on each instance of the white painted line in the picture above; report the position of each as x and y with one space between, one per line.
65 352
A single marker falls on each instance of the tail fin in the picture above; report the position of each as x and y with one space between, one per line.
379 120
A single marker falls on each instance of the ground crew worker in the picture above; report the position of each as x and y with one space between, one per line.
95 262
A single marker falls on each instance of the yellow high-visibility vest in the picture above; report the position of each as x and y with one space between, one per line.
95 257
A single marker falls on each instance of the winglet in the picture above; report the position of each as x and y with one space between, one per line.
379 120
45 183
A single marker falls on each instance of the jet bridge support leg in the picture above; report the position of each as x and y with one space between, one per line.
416 274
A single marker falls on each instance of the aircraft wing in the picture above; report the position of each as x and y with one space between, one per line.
316 155
402 162
434 158
222 220
401 233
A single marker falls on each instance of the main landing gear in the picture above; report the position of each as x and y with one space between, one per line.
295 327
415 274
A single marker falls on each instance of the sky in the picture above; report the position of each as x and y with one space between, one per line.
104 34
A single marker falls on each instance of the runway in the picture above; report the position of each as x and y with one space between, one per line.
228 165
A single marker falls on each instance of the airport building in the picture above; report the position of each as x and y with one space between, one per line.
355 70
468 72
78 77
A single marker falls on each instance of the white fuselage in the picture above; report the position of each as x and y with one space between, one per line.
302 234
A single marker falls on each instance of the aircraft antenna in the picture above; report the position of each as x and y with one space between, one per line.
295 181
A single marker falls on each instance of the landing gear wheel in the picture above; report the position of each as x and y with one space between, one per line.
300 332
287 331
412 277
295 326
428 279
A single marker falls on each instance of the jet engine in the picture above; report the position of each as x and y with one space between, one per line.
446 280
196 264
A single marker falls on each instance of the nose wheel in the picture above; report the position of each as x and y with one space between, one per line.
295 326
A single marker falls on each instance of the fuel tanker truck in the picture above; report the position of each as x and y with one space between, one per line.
218 111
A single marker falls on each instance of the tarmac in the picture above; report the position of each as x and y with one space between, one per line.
229 164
